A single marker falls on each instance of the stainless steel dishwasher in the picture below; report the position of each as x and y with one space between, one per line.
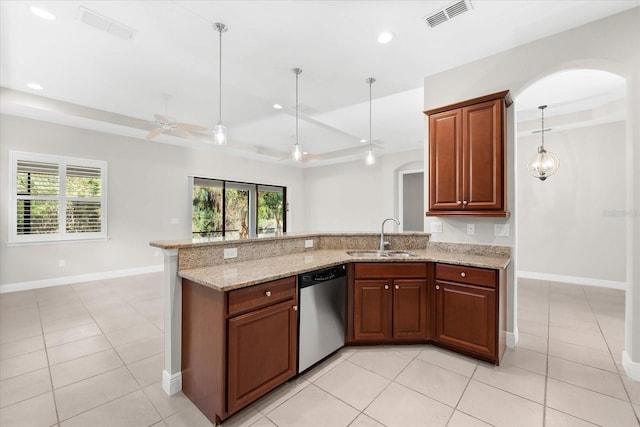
321 301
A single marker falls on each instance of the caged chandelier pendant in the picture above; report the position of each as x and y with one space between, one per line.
220 130
544 163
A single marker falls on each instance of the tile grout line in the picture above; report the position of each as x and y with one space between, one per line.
46 352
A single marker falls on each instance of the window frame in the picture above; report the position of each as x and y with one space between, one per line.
62 235
253 189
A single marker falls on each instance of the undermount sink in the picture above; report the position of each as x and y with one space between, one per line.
380 254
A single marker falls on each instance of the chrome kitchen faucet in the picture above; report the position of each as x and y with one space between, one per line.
384 244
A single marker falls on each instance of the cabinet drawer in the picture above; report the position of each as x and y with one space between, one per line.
470 275
395 270
253 297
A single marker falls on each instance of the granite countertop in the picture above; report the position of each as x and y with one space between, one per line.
226 277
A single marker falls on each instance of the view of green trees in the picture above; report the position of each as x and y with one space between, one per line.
207 213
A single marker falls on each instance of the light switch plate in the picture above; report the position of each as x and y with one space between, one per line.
471 229
230 253
174 221
501 230
435 227
308 243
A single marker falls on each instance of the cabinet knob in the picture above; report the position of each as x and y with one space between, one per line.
295 308
437 287
463 274
397 286
386 286
268 293
465 203
459 202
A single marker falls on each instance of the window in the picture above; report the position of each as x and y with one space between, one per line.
236 209
56 198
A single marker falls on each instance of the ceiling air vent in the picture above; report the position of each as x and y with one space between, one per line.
105 24
449 12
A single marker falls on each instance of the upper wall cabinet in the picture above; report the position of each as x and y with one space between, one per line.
467 157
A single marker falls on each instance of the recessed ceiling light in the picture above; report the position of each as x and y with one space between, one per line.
277 106
363 140
34 86
385 37
41 13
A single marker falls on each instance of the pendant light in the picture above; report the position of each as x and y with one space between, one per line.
220 130
544 164
296 153
371 155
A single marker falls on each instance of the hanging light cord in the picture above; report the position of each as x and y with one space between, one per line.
370 83
221 30
297 74
542 107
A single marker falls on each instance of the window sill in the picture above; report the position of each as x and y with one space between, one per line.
57 242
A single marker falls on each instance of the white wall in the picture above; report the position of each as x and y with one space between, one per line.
610 44
147 186
573 223
353 196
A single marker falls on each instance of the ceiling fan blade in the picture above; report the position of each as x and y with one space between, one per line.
183 133
189 126
154 132
161 118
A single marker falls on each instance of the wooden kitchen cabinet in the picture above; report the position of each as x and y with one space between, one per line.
388 303
237 345
467 157
470 312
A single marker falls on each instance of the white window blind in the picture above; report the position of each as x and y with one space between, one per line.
56 198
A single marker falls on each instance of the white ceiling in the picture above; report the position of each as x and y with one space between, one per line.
175 51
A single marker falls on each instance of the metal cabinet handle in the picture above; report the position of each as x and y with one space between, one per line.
437 287
397 286
295 308
463 274
386 286
268 293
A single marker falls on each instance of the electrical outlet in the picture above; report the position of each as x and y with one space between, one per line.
471 229
501 230
435 227
308 243
174 221
230 253
62 263
157 252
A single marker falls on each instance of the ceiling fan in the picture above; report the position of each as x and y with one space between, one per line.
165 123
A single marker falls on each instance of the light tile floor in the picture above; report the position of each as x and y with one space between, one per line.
91 355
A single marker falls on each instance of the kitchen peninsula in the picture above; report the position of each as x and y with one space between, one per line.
225 299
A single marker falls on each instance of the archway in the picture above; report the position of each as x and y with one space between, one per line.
572 228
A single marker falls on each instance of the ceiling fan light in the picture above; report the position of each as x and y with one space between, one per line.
296 153
220 134
371 157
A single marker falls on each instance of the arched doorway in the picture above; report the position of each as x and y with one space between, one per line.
572 228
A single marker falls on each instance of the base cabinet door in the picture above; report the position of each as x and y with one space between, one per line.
261 352
409 309
372 310
466 317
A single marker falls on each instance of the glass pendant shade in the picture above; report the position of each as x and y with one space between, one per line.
220 134
543 165
296 153
371 157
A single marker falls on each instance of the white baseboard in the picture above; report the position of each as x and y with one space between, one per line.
612 284
171 384
630 367
68 280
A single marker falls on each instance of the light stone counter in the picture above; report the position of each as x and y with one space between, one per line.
226 277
